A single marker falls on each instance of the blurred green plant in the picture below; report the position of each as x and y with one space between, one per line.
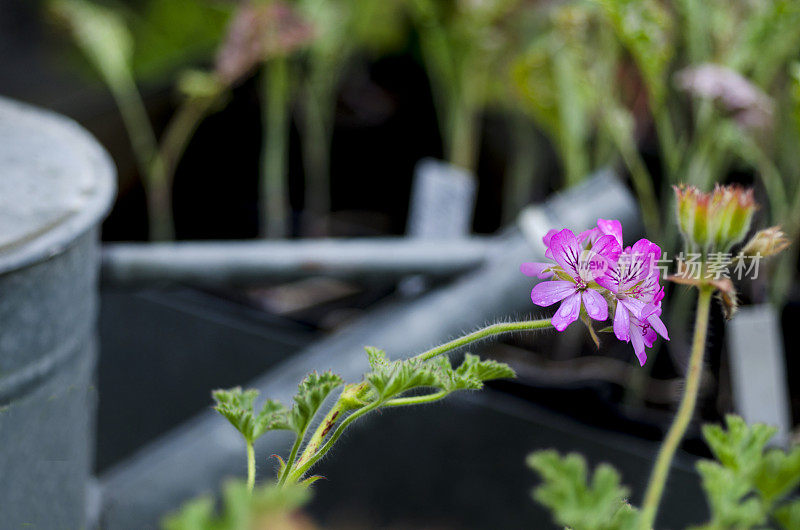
343 29
747 486
106 38
267 507
462 42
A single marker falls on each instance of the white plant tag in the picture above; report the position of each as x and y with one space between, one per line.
758 370
442 201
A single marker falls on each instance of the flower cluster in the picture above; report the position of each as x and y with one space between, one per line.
591 272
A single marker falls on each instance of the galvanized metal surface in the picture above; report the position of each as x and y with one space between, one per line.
56 184
247 262
195 457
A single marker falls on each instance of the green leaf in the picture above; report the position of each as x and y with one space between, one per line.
789 515
236 406
778 474
748 482
739 447
311 392
102 35
376 357
575 503
390 378
173 34
726 498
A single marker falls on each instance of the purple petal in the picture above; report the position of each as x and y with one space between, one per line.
645 253
589 236
650 337
540 270
611 227
596 306
546 240
637 307
548 236
622 323
567 313
548 293
655 321
566 251
603 258
638 344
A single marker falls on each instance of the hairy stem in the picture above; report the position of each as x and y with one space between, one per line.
488 331
292 455
251 467
416 400
658 478
353 394
301 469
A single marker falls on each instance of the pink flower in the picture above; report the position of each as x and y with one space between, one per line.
591 270
634 284
578 270
605 227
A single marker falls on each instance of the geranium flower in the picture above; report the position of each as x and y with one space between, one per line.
634 284
578 269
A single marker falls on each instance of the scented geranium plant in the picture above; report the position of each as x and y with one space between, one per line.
594 278
748 486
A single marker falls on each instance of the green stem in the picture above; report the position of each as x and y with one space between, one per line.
275 118
251 466
317 131
464 135
301 470
416 400
640 176
494 329
353 394
148 160
658 478
292 455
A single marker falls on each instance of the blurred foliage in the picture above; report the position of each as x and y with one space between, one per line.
173 34
747 486
269 507
575 501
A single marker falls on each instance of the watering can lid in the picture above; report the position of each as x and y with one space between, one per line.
56 182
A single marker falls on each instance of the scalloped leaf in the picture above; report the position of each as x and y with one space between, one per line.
747 484
236 405
396 377
484 370
575 503
311 393
778 474
739 447
727 498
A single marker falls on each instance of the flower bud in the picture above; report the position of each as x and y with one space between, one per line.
766 243
714 221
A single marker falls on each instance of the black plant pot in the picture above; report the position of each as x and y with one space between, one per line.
461 464
163 351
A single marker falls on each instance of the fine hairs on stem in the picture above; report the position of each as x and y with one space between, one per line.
388 384
658 478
